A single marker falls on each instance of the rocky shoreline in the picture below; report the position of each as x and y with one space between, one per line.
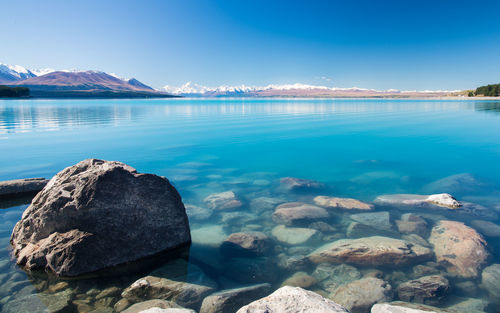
303 251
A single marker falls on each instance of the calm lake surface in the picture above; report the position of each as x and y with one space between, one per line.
357 148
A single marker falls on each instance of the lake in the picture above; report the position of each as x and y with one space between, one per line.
352 148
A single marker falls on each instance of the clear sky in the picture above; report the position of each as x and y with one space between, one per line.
403 44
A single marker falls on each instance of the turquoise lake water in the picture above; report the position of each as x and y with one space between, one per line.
358 148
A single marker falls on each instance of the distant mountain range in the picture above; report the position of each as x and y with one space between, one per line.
51 83
296 90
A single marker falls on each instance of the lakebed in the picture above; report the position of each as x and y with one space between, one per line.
230 159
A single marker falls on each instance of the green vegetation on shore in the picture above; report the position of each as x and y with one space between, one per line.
13 92
486 91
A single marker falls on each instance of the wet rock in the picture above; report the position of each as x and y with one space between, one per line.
291 300
412 224
57 287
295 212
86 219
459 248
459 183
486 228
490 280
360 295
424 270
323 227
229 301
109 292
470 305
183 293
358 230
441 200
237 218
197 213
371 251
51 303
251 270
330 276
209 235
145 305
378 220
300 279
172 310
293 263
122 304
436 202
465 288
263 204
222 201
246 244
293 235
342 203
398 307
106 302
428 290
299 184
20 187
416 239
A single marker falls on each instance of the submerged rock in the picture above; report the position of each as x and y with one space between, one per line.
487 228
442 200
182 293
291 300
412 224
94 215
428 290
342 203
197 213
145 305
158 310
263 204
434 202
360 295
371 251
459 248
50 303
209 235
300 279
229 301
246 244
359 230
295 212
251 270
397 307
459 183
378 220
293 235
293 263
223 201
20 187
299 184
330 276
490 280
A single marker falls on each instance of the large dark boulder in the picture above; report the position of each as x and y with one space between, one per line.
98 214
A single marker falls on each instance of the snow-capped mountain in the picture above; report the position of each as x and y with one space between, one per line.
14 73
43 71
290 90
48 79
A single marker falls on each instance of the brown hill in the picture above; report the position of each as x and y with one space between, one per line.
82 81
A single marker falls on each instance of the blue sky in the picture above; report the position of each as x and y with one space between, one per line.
401 44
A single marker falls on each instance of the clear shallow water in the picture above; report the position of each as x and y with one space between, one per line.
358 148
